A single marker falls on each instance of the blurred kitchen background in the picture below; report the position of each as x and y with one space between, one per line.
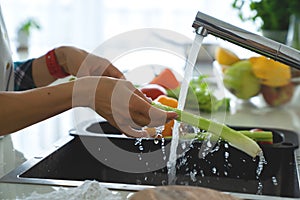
87 24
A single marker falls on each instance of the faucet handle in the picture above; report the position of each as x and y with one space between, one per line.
248 40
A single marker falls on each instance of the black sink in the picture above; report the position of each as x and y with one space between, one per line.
139 164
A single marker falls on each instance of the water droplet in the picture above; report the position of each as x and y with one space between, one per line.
193 176
138 141
217 148
214 170
208 144
225 173
226 154
183 145
202 173
139 156
274 180
156 141
261 163
259 188
141 148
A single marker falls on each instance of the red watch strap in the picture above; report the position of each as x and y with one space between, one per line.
54 68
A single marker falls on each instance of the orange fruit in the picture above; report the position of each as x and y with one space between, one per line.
271 72
225 56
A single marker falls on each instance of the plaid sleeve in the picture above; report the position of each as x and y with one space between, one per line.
23 75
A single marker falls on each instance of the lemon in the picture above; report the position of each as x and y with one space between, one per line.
225 56
271 72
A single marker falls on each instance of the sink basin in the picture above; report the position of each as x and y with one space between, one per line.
139 164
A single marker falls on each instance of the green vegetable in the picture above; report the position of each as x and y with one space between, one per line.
233 137
268 12
199 97
261 136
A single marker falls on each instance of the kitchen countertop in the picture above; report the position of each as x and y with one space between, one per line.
25 144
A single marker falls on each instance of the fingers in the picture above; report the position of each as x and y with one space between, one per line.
144 114
131 132
94 65
171 115
140 94
112 71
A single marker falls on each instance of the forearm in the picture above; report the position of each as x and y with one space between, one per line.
22 109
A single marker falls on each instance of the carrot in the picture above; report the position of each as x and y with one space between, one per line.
168 101
167 79
172 102
168 128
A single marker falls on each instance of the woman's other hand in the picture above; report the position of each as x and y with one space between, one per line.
120 103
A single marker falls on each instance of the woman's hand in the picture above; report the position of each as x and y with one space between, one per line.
76 62
120 103
80 63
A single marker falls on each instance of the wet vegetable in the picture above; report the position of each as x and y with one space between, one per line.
233 137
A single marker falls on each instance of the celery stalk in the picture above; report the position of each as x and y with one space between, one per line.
233 137
261 136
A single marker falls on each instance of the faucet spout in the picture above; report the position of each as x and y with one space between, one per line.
201 31
205 24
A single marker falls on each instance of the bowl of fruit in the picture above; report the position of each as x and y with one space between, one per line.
253 77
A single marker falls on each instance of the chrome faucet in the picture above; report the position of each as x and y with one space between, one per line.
205 24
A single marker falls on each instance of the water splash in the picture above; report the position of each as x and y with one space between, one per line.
191 61
261 162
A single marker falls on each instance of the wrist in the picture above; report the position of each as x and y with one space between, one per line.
60 53
84 89
55 69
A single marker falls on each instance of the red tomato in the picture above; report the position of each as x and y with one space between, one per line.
153 90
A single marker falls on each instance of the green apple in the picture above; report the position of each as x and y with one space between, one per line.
240 80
